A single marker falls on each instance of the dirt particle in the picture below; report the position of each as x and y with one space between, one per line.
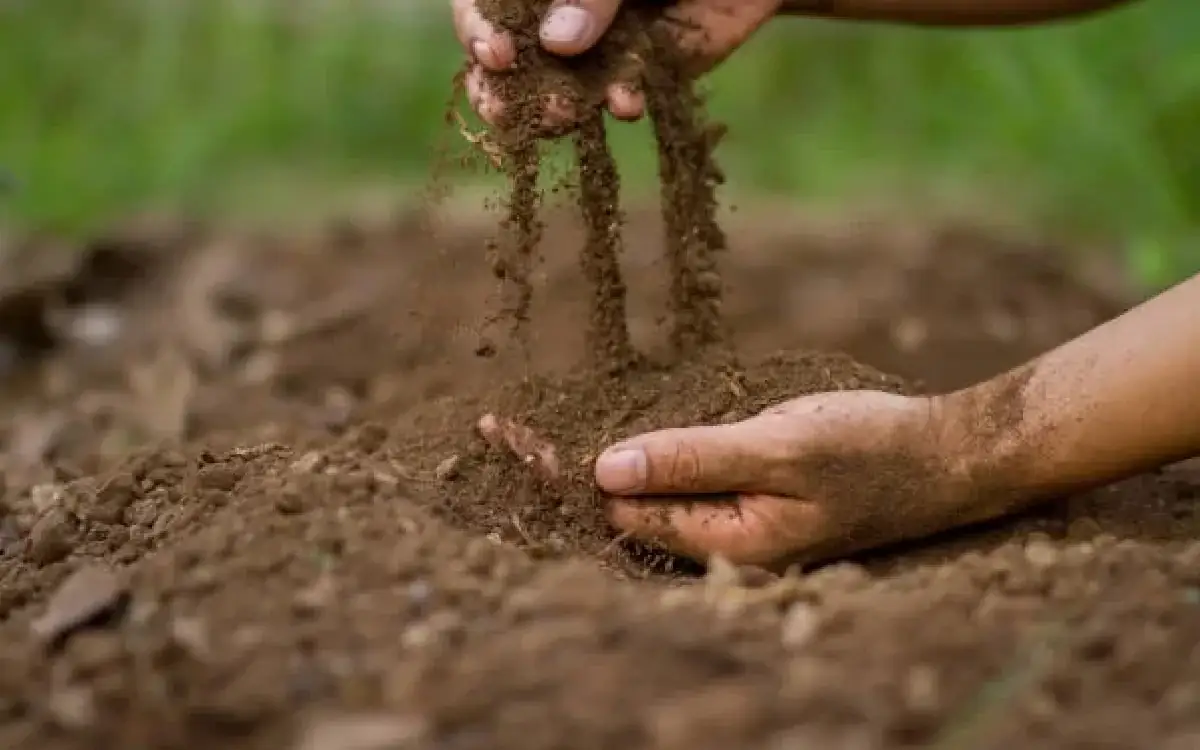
191 635
448 468
221 477
112 498
310 463
800 625
317 596
1041 553
45 497
91 595
52 538
73 707
362 732
289 502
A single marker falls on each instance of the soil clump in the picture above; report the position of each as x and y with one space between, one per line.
546 500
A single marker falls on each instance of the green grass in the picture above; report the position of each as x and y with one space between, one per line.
1087 129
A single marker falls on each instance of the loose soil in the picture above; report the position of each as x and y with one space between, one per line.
274 568
639 51
488 489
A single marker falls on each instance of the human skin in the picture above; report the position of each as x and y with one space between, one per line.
1117 401
713 29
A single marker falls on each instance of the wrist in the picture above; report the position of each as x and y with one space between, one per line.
989 448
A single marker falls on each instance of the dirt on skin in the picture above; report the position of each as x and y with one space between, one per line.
268 572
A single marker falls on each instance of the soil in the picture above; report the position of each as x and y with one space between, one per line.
639 51
489 490
218 530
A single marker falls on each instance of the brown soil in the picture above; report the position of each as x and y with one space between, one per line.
239 462
489 490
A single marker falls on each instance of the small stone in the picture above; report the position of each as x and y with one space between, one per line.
310 463
89 596
190 634
363 732
721 574
921 690
72 708
217 477
45 497
447 469
800 625
288 502
317 596
1041 553
112 499
51 538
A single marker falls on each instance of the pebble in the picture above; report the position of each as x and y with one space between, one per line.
217 477
316 597
310 463
89 594
72 708
363 732
800 625
1041 553
50 539
447 469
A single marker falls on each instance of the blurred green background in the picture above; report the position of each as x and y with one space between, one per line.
1087 130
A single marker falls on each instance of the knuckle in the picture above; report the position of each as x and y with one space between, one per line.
685 469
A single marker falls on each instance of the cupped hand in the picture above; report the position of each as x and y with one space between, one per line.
804 481
708 30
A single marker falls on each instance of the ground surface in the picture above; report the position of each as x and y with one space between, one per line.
281 578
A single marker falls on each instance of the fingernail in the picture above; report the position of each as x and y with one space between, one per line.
567 24
482 53
621 470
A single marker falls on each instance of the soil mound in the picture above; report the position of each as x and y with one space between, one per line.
488 488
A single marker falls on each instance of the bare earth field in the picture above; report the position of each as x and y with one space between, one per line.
221 528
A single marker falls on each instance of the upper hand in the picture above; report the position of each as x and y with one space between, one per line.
811 478
708 29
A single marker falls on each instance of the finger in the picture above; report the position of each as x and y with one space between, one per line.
486 104
693 460
711 30
485 44
748 530
626 102
572 27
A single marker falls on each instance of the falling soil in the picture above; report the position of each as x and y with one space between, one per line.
639 51
490 490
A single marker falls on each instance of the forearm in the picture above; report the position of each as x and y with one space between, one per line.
1122 399
949 12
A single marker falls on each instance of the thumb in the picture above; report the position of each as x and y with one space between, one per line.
572 27
693 460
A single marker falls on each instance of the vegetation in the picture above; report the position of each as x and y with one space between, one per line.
1086 128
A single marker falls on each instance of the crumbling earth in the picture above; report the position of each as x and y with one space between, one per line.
234 480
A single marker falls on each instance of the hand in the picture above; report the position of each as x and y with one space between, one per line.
709 30
812 478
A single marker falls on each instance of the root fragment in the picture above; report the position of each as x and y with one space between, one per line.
529 447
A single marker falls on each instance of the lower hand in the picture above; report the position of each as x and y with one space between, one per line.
812 478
